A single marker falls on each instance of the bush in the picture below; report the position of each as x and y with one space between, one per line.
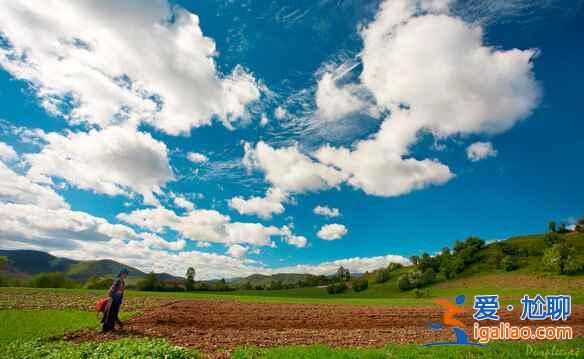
420 293
381 276
149 284
360 284
99 283
509 263
52 280
336 288
393 266
550 239
404 282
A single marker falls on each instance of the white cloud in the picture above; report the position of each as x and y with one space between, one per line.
113 161
289 170
333 101
331 232
434 74
78 235
438 66
204 225
122 60
237 251
326 211
480 150
182 202
280 113
263 207
20 190
7 153
197 157
292 239
65 229
264 120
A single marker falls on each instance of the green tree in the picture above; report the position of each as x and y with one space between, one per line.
580 225
563 228
381 276
556 257
190 279
150 283
393 266
415 260
360 284
343 274
98 283
552 226
52 280
509 263
550 239
3 261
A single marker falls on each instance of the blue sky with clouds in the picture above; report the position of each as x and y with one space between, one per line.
249 136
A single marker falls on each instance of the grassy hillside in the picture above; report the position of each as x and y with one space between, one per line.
26 263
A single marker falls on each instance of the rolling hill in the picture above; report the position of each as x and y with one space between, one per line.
27 263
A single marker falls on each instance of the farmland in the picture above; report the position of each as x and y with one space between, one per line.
380 322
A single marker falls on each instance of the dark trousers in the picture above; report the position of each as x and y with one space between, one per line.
110 315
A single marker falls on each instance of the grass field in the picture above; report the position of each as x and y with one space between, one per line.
510 286
33 321
34 342
31 334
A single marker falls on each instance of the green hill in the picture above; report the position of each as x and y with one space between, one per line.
26 263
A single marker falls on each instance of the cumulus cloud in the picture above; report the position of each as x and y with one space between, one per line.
480 150
112 161
334 101
204 225
105 62
292 239
331 232
263 207
18 189
237 251
290 170
454 83
197 157
432 73
62 228
326 211
7 153
182 202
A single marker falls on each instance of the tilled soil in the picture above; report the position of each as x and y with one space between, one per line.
212 325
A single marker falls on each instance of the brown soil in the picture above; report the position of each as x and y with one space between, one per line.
213 325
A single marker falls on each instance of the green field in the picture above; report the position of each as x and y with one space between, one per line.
34 334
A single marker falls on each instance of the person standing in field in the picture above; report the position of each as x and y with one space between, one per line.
115 294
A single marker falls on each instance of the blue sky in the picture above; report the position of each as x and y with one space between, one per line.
207 133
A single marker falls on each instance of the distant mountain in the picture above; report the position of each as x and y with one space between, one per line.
27 263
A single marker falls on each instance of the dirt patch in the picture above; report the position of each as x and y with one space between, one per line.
212 325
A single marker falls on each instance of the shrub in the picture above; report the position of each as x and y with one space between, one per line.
509 263
393 266
336 288
150 283
420 293
550 239
360 284
99 283
52 280
381 276
580 225
404 282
